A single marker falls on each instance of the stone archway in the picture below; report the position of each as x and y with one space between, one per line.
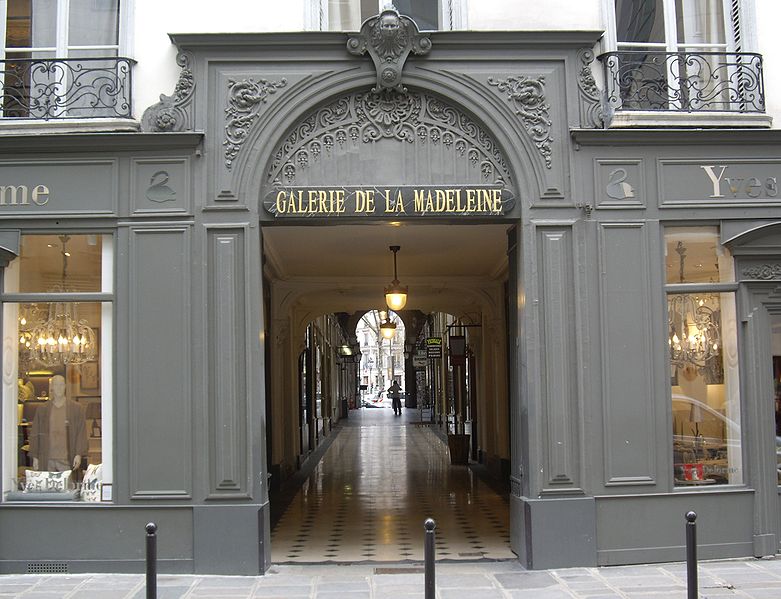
388 138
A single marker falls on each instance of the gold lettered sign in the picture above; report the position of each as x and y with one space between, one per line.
389 202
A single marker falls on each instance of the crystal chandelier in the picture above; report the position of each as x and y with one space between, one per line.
63 338
693 321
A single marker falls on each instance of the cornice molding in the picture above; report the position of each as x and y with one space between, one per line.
677 136
67 143
312 41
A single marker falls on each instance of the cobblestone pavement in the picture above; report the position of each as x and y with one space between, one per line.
747 579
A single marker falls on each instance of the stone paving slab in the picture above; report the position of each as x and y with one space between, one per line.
736 579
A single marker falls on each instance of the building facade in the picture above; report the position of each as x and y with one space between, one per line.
589 192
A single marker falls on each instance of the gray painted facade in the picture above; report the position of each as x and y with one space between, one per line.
591 453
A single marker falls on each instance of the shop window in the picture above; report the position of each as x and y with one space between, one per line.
429 15
61 60
702 340
57 406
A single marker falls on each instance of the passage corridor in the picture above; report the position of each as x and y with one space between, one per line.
368 497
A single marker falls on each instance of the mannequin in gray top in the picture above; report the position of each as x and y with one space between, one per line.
58 437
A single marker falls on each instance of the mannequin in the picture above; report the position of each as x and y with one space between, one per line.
58 438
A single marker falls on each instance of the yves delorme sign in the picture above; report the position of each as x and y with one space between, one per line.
719 181
389 202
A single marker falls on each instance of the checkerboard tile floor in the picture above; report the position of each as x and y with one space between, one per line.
367 499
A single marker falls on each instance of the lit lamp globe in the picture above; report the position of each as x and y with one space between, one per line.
396 296
388 329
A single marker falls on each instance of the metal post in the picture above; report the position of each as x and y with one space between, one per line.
691 555
151 561
428 552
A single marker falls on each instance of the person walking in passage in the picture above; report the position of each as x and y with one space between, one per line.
395 394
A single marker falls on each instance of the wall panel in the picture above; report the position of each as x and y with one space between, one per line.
227 348
160 363
628 398
559 360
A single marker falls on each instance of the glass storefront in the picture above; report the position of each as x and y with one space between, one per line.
702 341
56 386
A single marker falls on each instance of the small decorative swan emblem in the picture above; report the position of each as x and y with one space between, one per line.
158 190
617 188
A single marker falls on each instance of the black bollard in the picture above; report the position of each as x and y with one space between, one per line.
428 554
691 555
151 561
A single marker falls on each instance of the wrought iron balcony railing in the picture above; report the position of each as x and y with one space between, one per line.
66 88
684 81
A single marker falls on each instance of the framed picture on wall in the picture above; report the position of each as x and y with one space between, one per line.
90 377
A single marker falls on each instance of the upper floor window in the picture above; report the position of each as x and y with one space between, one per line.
347 15
680 55
61 28
61 60
672 25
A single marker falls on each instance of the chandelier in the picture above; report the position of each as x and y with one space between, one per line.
63 338
693 320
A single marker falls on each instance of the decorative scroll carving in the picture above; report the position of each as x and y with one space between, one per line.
528 97
592 115
409 117
244 100
764 272
173 113
389 38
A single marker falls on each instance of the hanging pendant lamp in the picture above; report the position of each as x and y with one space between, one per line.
396 294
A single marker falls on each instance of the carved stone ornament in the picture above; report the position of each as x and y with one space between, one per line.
592 115
173 113
389 38
763 272
244 101
528 97
351 124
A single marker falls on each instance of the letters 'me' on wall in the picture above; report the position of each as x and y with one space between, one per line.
722 182
395 202
75 187
24 195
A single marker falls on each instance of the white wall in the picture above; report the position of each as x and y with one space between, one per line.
768 18
157 72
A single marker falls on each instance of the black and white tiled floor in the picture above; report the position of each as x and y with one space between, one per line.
377 483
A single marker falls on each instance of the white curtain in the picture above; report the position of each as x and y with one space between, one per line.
344 15
701 22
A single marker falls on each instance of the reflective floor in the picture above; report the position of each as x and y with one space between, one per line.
377 483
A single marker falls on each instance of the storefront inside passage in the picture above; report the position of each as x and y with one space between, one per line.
57 402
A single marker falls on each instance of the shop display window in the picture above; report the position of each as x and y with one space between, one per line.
56 385
702 340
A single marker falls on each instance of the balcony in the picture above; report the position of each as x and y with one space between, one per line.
695 88
66 88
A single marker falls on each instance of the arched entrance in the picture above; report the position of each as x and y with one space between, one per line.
355 175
